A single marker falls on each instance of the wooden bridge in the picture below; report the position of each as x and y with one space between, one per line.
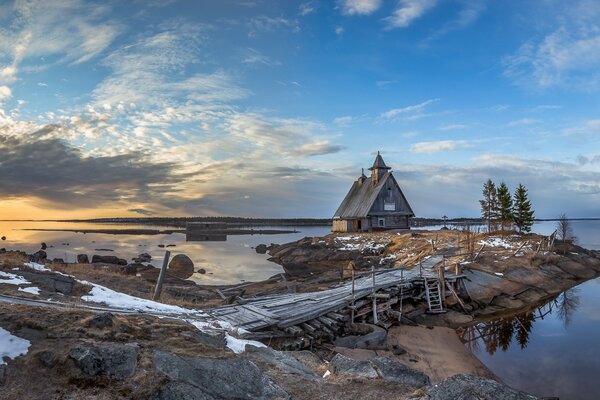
301 318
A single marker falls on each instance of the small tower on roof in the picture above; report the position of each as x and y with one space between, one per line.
378 170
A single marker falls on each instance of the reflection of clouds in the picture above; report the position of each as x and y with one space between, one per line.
229 262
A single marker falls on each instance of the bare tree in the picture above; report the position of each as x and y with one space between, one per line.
564 229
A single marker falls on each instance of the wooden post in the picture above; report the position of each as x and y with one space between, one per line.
161 276
353 298
519 249
374 298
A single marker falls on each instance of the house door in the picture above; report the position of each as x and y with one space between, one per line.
359 225
381 222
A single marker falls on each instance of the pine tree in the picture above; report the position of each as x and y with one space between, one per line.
489 204
522 212
505 205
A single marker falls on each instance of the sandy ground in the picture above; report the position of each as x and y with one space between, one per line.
437 351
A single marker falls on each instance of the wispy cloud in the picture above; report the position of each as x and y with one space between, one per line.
407 11
524 122
437 146
567 56
452 127
263 23
469 13
359 7
306 8
253 56
345 120
408 110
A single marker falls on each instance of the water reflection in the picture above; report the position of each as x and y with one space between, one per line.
501 333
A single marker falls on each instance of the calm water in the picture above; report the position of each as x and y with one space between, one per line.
228 262
558 355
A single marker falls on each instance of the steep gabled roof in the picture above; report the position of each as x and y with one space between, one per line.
359 200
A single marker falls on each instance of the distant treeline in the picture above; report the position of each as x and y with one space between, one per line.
245 222
230 221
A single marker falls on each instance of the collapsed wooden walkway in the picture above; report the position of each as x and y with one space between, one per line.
301 314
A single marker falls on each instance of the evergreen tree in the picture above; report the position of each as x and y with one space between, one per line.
522 212
505 205
489 204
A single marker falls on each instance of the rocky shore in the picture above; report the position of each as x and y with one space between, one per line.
76 352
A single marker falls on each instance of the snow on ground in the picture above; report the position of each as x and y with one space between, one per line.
12 346
101 294
30 289
37 267
12 279
239 345
497 242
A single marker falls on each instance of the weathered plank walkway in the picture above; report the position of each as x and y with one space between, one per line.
286 310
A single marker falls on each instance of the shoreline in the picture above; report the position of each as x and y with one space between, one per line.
502 282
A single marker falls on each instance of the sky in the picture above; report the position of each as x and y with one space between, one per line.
271 108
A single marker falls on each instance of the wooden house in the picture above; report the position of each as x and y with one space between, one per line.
374 203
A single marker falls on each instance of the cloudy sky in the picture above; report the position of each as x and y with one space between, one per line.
270 108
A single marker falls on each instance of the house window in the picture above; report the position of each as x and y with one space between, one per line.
381 222
389 206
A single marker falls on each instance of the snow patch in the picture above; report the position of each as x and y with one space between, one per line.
12 279
497 242
12 346
101 294
30 289
326 374
498 273
239 345
37 267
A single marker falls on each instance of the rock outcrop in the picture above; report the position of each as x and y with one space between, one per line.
212 378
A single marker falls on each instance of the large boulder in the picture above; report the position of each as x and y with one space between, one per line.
38 257
181 266
391 370
142 258
212 378
279 360
467 387
102 320
52 282
117 361
352 368
367 336
108 260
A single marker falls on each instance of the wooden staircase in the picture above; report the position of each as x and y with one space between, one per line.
433 295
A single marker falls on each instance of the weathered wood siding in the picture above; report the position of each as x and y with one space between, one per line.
342 225
390 193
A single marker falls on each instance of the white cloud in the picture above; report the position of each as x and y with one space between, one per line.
407 11
345 120
590 128
76 30
524 122
5 93
359 7
452 127
339 30
438 146
412 109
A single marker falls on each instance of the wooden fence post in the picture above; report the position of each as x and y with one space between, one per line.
161 276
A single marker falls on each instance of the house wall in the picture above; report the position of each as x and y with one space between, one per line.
391 222
342 225
389 194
